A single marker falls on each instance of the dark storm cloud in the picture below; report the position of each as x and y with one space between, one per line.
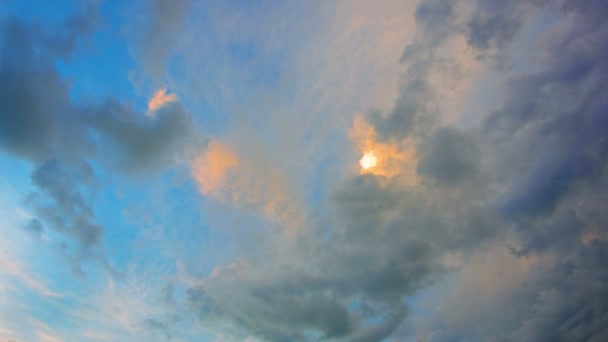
40 122
494 23
555 132
436 17
414 111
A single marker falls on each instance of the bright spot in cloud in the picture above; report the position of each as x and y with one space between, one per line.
368 160
160 99
390 159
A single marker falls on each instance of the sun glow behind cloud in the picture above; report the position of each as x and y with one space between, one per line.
368 160
390 159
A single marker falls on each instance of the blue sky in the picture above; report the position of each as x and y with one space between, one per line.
303 171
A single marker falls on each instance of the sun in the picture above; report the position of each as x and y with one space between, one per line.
368 160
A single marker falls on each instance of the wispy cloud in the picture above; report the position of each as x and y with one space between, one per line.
13 270
160 99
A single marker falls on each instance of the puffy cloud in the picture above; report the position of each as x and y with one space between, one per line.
451 157
543 150
156 26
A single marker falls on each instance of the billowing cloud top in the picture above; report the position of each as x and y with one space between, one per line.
304 171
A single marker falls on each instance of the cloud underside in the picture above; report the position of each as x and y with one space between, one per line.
506 212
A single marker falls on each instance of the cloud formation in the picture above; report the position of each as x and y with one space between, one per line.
41 123
160 99
471 202
384 243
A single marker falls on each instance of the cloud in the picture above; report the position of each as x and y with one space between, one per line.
41 123
156 26
248 180
344 283
210 169
544 159
506 212
160 99
451 157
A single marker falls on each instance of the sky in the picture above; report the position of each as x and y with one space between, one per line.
344 170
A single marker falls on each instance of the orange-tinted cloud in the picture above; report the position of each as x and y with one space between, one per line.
160 99
247 180
391 159
210 169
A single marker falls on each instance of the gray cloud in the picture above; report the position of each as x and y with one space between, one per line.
40 122
143 143
532 175
547 141
61 205
451 158
383 244
570 300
